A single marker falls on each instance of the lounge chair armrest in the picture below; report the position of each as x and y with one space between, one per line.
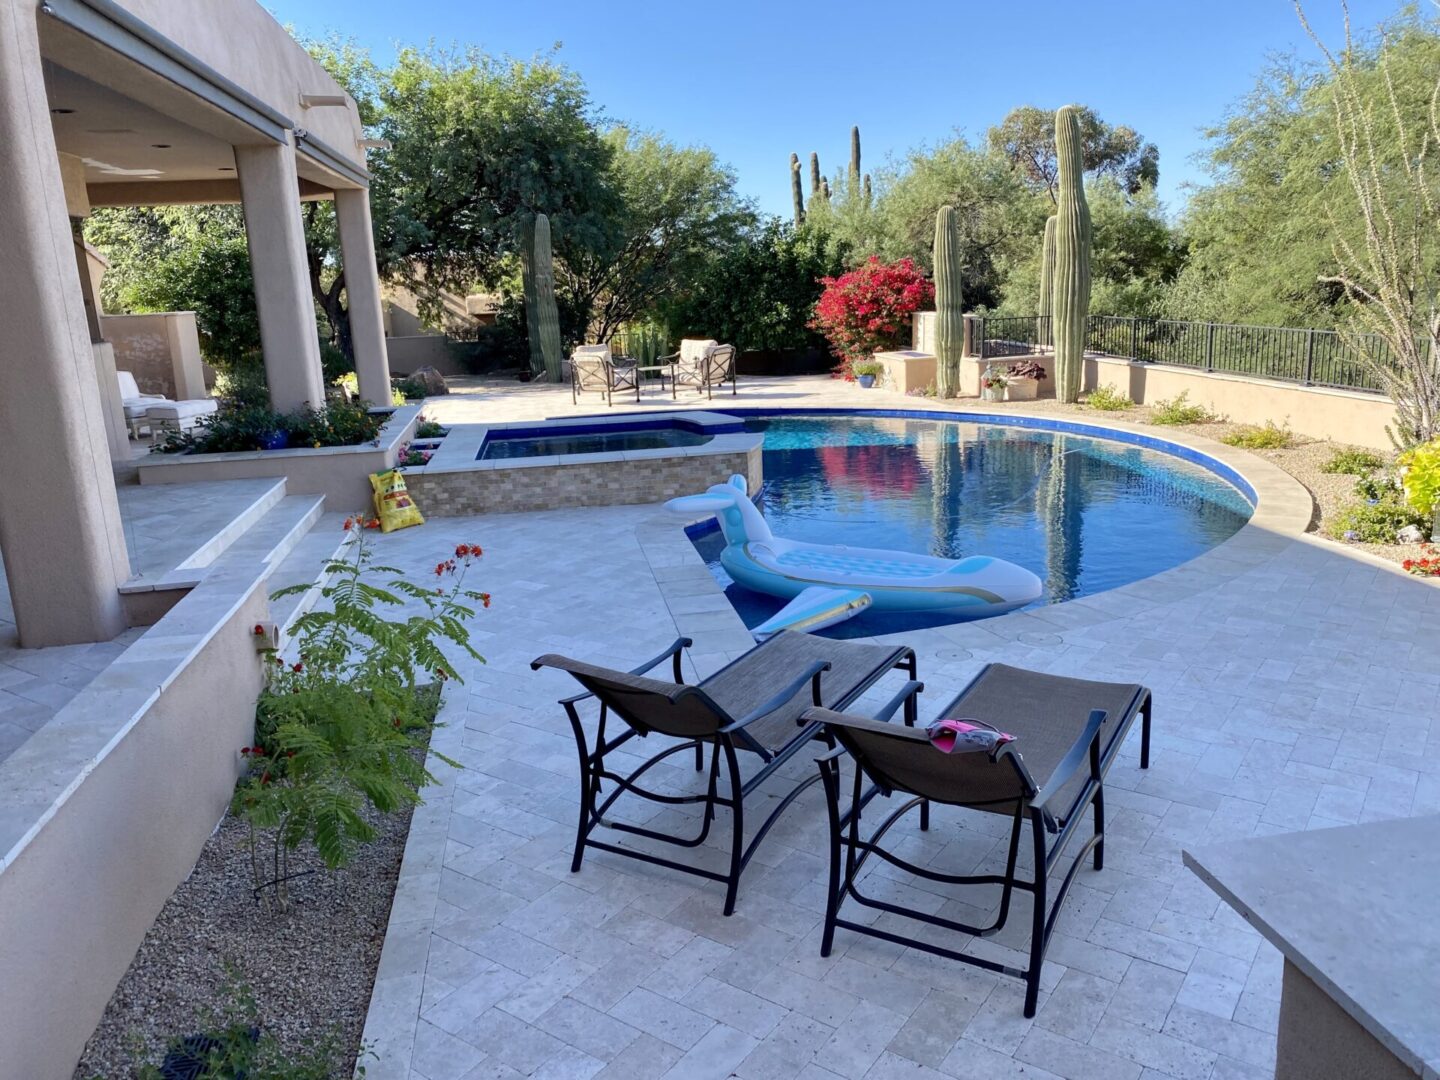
883 715
1087 745
905 694
673 649
670 359
810 675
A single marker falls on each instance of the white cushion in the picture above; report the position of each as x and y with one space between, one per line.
693 350
182 410
591 352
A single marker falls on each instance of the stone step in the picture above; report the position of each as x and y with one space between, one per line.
305 565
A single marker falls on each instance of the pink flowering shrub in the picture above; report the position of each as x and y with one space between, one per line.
868 309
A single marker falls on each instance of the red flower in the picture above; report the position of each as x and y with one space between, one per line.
259 630
245 750
297 668
485 599
349 523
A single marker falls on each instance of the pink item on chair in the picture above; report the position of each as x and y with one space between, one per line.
966 737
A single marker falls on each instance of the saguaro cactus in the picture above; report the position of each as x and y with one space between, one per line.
814 174
527 285
547 321
854 161
868 195
1044 334
1070 303
797 193
949 310
825 189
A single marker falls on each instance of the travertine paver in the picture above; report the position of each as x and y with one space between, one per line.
500 963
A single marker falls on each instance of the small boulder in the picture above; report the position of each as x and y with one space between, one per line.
430 379
1410 534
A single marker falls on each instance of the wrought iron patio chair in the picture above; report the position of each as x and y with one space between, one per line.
1067 735
593 368
714 367
753 705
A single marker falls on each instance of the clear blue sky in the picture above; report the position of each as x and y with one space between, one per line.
757 80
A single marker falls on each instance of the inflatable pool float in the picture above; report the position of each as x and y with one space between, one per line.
828 583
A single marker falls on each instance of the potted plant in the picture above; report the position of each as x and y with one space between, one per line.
993 383
1023 381
867 371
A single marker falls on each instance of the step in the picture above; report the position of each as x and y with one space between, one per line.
239 526
305 565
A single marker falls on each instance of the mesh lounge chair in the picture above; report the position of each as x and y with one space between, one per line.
713 366
752 705
1067 734
593 368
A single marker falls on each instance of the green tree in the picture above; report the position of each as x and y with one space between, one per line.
1026 139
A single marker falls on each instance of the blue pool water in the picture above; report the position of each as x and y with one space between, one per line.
523 443
1084 514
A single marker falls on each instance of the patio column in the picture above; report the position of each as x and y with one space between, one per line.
362 290
60 531
275 233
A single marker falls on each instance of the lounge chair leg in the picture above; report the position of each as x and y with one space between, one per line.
699 756
737 832
589 769
1099 807
830 777
1037 917
924 815
1145 734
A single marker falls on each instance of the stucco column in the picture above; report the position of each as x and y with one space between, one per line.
60 530
362 290
275 233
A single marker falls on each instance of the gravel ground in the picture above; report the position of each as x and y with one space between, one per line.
310 970
1330 491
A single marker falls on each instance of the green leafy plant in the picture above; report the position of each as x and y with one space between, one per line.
254 427
1427 565
343 725
410 388
1420 476
1181 410
235 1046
1353 461
1375 520
868 367
1269 437
426 428
1108 399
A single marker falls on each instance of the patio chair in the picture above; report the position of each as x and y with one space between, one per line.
705 368
156 411
752 706
1067 735
593 368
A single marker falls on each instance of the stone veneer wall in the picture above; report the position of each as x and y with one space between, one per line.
514 488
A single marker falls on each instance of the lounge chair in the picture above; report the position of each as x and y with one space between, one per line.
593 368
703 365
751 705
1067 735
156 411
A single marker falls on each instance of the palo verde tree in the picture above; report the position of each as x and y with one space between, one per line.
1026 139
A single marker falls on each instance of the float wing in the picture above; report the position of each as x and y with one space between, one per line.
814 609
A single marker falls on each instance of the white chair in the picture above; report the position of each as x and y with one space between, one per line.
593 368
135 403
156 411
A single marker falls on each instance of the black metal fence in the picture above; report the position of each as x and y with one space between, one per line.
1285 354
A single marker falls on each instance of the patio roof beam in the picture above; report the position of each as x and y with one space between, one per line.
186 193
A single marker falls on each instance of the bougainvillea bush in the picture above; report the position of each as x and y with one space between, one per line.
869 308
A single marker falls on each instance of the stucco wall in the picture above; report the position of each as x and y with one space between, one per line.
162 351
1318 1038
242 41
78 898
423 350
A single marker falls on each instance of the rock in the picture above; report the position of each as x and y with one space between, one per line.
429 378
1410 534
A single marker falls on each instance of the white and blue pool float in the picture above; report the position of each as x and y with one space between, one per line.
829 583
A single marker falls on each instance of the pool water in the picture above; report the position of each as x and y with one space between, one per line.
522 444
1084 514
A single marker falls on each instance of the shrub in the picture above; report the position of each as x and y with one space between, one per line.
1108 399
1420 475
339 423
1181 410
253 427
1375 520
1269 437
429 429
1354 462
868 367
408 388
869 309
343 726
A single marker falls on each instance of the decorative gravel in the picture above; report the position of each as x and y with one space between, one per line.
310 970
1330 491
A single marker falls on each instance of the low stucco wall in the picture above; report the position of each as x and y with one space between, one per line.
513 486
411 351
1317 1038
340 473
162 351
85 886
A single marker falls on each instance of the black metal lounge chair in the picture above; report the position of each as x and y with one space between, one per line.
1067 735
753 705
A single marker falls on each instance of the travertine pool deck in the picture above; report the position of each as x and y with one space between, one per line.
1264 656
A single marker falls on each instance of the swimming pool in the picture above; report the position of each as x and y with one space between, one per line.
1085 514
547 441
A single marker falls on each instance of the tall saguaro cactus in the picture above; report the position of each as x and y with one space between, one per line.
527 286
1070 303
547 321
854 161
797 193
868 196
1044 335
949 310
814 174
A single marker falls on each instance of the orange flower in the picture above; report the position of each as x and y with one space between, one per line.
485 599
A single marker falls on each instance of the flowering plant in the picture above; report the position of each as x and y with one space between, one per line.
344 719
994 379
410 455
869 308
1428 565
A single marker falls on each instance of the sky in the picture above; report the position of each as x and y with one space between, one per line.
756 81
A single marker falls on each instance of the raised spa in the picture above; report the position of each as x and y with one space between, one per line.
545 440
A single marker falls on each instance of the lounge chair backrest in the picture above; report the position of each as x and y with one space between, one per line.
693 350
719 363
684 712
901 759
128 388
589 363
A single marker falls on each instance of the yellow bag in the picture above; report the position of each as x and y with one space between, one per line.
392 502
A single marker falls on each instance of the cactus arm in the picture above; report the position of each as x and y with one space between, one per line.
797 193
1047 283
